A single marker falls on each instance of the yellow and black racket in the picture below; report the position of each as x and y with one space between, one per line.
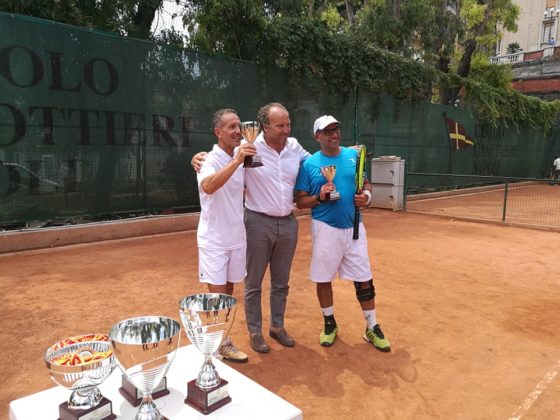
360 177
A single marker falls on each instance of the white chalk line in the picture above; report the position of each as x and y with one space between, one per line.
536 393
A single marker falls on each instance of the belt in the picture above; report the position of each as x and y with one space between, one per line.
272 217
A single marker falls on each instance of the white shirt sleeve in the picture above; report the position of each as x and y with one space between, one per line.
206 170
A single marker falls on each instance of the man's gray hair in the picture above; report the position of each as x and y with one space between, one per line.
262 115
219 114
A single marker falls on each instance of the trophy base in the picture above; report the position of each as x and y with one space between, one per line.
131 394
102 411
207 400
252 162
333 196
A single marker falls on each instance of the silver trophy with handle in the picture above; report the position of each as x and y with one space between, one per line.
207 319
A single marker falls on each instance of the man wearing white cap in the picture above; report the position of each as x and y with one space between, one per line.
334 249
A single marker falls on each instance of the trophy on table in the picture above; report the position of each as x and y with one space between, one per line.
207 319
250 130
329 171
134 396
144 349
81 363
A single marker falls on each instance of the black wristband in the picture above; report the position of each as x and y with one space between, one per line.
318 198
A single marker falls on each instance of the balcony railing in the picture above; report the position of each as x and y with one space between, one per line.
507 59
546 51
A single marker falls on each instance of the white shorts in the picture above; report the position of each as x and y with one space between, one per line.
221 266
334 251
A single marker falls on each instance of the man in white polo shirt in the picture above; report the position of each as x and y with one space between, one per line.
221 231
272 229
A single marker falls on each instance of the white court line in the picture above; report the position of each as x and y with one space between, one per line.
535 394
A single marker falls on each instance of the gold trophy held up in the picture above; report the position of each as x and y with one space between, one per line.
329 173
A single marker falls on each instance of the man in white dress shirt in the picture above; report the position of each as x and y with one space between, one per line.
272 229
221 232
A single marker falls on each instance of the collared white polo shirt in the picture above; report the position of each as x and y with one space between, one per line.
221 223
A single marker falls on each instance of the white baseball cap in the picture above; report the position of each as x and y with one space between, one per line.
322 122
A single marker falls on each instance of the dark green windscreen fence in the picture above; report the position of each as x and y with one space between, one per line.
94 124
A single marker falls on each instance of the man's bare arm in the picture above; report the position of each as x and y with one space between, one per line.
197 160
306 201
214 182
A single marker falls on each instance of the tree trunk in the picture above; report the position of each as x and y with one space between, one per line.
443 60
464 67
397 9
350 11
310 9
470 44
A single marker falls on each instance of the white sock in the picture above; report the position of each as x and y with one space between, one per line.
371 318
328 311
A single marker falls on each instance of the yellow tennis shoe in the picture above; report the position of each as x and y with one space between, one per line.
375 336
328 335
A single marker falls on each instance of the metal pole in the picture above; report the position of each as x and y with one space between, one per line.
405 184
505 201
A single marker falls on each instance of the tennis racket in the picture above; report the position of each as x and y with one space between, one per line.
360 168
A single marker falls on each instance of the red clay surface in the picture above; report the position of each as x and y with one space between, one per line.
472 311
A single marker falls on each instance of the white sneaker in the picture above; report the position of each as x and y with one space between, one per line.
231 353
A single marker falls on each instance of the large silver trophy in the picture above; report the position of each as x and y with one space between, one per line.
144 349
207 319
81 363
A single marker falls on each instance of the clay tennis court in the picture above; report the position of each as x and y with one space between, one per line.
472 311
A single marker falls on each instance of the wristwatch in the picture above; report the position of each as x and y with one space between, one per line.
318 198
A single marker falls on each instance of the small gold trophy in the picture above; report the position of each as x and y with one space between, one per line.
250 130
329 172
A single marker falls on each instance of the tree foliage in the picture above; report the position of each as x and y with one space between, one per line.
406 48
126 17
481 18
229 27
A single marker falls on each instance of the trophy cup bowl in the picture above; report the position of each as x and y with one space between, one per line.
329 173
81 363
144 349
250 130
207 319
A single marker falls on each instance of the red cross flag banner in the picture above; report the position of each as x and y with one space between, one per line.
458 135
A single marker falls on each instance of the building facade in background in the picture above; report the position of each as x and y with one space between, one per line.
534 50
537 26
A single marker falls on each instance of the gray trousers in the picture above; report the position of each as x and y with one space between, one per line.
269 241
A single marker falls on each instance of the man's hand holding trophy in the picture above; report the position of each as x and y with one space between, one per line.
250 130
329 173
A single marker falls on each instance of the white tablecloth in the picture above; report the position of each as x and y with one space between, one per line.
249 399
